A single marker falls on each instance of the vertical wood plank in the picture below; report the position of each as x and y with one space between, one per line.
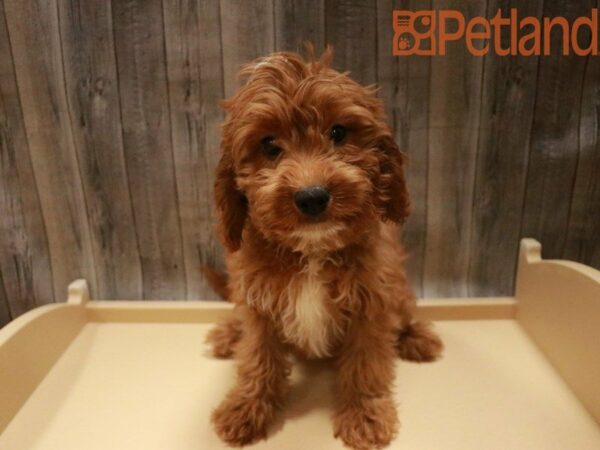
24 254
583 236
247 32
4 311
555 138
404 84
92 95
350 27
34 37
139 41
195 73
297 22
454 112
508 97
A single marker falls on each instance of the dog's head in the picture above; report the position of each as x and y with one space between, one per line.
308 158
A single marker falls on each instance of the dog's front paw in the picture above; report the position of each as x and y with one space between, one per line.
240 421
368 424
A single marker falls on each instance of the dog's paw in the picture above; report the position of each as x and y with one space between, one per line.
224 338
239 421
417 342
369 424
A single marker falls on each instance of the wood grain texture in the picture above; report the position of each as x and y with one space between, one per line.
195 73
4 311
109 138
297 22
508 98
24 256
454 114
350 26
95 119
554 144
584 216
404 86
247 32
139 41
34 39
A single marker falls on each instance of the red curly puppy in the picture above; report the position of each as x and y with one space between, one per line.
310 189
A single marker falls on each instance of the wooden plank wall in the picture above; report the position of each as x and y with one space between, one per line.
109 139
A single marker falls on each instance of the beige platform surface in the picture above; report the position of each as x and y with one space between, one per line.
152 386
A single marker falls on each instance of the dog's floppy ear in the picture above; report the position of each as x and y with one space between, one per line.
231 203
394 201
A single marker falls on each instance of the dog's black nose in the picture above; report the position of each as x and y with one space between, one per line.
312 200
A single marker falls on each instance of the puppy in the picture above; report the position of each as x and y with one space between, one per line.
310 190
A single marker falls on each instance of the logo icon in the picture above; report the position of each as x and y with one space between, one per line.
414 33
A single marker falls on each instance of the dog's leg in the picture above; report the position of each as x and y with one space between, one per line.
418 342
366 416
224 337
249 408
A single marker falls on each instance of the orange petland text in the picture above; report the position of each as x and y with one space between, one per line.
429 32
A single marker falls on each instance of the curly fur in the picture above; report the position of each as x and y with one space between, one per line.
327 287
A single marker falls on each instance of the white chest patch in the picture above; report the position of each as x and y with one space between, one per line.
308 323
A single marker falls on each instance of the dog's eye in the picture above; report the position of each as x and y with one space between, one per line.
269 148
337 134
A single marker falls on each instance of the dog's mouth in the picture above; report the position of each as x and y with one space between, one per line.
317 236
317 231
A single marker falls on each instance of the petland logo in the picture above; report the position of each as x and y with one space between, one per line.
428 32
